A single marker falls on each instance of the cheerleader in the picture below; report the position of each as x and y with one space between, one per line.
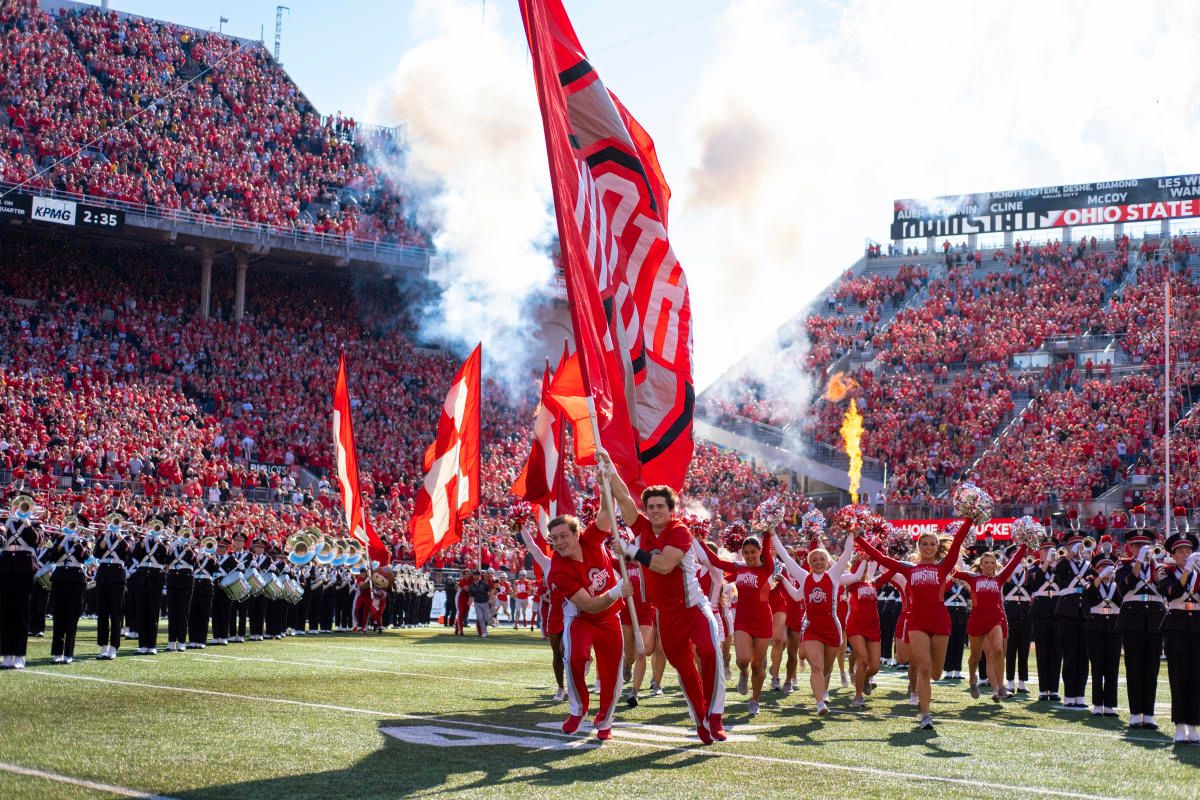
987 627
1017 607
863 625
1045 632
779 606
462 602
1140 622
112 552
795 634
928 623
1179 583
822 634
752 623
550 607
635 662
1102 599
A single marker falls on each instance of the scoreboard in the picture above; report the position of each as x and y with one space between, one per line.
54 211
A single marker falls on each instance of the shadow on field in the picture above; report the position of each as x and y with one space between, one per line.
417 759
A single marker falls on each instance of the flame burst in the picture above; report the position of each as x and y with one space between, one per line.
852 431
839 386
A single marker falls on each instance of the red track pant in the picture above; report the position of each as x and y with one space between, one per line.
691 634
582 635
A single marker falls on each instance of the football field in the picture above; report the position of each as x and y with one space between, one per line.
418 713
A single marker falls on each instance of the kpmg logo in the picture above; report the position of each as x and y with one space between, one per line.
61 212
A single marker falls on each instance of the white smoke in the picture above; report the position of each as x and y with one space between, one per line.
810 121
477 168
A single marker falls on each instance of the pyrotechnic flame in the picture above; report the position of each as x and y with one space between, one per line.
839 385
852 431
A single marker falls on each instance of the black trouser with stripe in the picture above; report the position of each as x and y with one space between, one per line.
179 604
958 639
241 613
1183 670
222 613
110 604
1074 655
148 603
1143 654
39 601
199 612
1049 655
889 615
258 614
67 597
16 589
1104 653
1016 661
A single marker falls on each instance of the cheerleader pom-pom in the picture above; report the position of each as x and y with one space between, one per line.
973 503
733 537
954 527
520 515
1029 532
898 544
770 514
814 520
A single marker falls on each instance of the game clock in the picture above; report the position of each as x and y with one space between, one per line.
95 217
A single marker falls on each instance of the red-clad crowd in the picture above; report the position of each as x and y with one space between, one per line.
175 118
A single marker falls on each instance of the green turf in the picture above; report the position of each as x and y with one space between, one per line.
231 738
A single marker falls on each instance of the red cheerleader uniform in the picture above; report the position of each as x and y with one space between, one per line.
926 584
864 608
795 612
645 611
754 592
779 599
821 623
987 601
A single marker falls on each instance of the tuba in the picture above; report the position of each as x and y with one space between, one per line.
208 546
302 547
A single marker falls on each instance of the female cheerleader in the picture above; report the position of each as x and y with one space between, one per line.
822 636
551 612
795 636
752 622
862 625
928 620
779 607
635 662
987 626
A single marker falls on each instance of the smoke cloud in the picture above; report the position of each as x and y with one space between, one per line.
810 120
476 169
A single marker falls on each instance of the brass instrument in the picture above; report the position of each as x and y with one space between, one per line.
302 547
208 546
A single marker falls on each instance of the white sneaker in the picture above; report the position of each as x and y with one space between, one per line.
825 698
656 691
728 673
58 660
787 688
559 695
775 685
845 681
822 709
1193 733
927 722
1135 720
743 682
68 660
153 651
141 651
18 662
913 700
1181 734
752 709
858 702
1097 711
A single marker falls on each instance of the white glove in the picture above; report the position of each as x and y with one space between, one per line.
1144 553
1075 548
614 593
629 548
1107 572
1193 561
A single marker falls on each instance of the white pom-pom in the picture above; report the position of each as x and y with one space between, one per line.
973 503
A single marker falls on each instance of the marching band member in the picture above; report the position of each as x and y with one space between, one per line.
863 629
1018 606
1045 631
240 611
222 610
1102 599
687 629
928 622
39 598
581 573
67 585
822 634
112 552
1070 574
203 593
752 624
256 605
21 537
276 615
150 555
1179 584
987 627
180 585
1140 622
890 606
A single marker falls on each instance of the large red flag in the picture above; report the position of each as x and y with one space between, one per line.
347 471
628 296
450 493
542 481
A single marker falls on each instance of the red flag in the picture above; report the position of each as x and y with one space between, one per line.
450 493
538 478
567 395
347 471
628 296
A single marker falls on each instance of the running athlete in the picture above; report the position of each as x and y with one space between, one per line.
822 634
928 621
987 627
687 629
862 625
521 590
582 576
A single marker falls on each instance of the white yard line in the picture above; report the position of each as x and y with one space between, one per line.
884 774
332 665
122 791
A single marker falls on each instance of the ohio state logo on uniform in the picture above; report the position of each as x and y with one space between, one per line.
598 579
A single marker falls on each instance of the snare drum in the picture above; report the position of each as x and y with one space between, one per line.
256 581
235 586
42 576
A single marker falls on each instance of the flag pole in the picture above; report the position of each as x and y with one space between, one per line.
1167 405
606 503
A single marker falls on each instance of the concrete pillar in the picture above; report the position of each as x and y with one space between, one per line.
1066 234
206 264
1118 230
239 301
972 241
1166 229
1008 240
931 244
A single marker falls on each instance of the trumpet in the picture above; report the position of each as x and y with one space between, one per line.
1158 553
1089 544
